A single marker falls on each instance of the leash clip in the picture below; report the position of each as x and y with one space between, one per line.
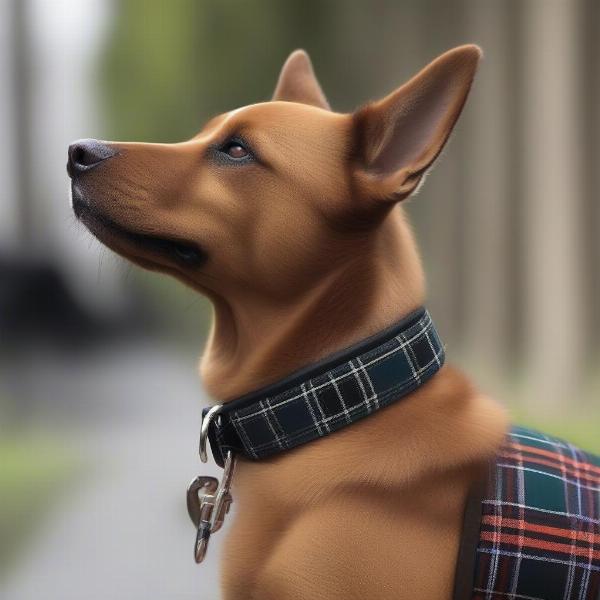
208 511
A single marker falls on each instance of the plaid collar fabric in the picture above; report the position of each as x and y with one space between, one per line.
331 394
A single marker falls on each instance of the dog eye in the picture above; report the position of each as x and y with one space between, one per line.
235 150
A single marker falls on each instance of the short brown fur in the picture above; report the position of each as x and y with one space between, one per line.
308 251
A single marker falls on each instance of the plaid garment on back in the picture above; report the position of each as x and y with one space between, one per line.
540 525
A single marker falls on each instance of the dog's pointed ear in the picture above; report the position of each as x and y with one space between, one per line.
399 137
298 83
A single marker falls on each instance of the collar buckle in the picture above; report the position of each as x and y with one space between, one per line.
208 500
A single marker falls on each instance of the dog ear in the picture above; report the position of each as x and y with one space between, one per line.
399 137
298 83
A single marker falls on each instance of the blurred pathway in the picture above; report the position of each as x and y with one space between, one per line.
123 533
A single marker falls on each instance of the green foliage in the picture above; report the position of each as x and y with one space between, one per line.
148 67
33 474
581 431
171 65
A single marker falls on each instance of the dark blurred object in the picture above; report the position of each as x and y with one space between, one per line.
37 304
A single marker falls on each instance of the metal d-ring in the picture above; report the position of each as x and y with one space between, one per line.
206 421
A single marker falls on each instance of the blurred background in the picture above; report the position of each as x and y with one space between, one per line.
99 396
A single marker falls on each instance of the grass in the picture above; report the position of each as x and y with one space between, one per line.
582 431
34 470
576 422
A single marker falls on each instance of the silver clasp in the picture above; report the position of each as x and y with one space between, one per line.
208 511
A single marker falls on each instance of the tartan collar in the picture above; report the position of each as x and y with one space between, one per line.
333 393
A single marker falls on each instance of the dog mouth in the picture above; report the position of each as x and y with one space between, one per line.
183 253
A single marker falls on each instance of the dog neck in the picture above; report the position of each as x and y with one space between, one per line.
254 342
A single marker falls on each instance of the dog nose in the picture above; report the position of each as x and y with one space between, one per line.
86 154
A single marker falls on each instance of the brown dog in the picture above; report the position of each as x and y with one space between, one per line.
287 216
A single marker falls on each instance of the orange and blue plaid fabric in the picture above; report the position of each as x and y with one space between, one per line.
540 525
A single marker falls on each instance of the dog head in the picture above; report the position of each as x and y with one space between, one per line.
268 198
